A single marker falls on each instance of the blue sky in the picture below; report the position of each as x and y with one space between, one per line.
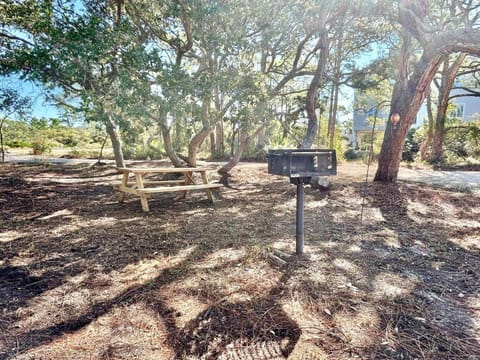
40 106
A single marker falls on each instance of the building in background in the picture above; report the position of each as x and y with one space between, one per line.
466 108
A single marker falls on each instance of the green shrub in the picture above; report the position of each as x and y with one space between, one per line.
41 146
140 152
352 154
462 142
411 146
78 153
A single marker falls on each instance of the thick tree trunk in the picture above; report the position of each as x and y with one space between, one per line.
114 134
407 97
391 153
409 92
235 132
195 143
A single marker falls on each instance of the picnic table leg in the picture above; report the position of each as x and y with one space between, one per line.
188 178
188 181
122 194
208 191
143 197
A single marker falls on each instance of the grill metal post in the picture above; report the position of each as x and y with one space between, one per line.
300 220
300 166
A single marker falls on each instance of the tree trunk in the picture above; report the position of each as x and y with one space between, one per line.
114 133
213 145
311 102
220 141
409 92
235 132
427 142
333 111
219 148
332 120
407 97
449 73
198 139
260 141
100 153
244 142
2 149
195 143
437 136
167 139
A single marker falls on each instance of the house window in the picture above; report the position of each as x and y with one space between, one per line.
458 111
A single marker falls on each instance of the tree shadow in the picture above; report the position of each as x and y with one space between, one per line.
108 238
246 329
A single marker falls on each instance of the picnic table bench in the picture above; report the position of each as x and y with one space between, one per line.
145 187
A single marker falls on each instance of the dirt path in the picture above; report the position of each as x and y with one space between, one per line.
456 180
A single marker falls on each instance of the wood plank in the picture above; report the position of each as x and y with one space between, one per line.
150 182
126 189
165 170
163 189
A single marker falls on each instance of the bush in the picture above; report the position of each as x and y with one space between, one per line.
462 142
84 153
41 146
352 154
141 152
411 147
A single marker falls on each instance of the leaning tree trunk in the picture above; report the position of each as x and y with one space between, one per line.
409 91
114 134
198 139
407 97
195 143
311 102
167 139
245 140
406 102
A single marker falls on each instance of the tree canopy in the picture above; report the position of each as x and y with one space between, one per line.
226 72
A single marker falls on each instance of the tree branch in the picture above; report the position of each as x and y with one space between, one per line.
13 37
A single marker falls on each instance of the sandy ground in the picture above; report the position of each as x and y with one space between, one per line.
84 277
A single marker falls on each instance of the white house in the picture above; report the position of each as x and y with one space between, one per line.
467 108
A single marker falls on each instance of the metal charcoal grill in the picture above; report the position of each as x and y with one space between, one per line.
300 166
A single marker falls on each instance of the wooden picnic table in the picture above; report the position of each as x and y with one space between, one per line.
143 187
